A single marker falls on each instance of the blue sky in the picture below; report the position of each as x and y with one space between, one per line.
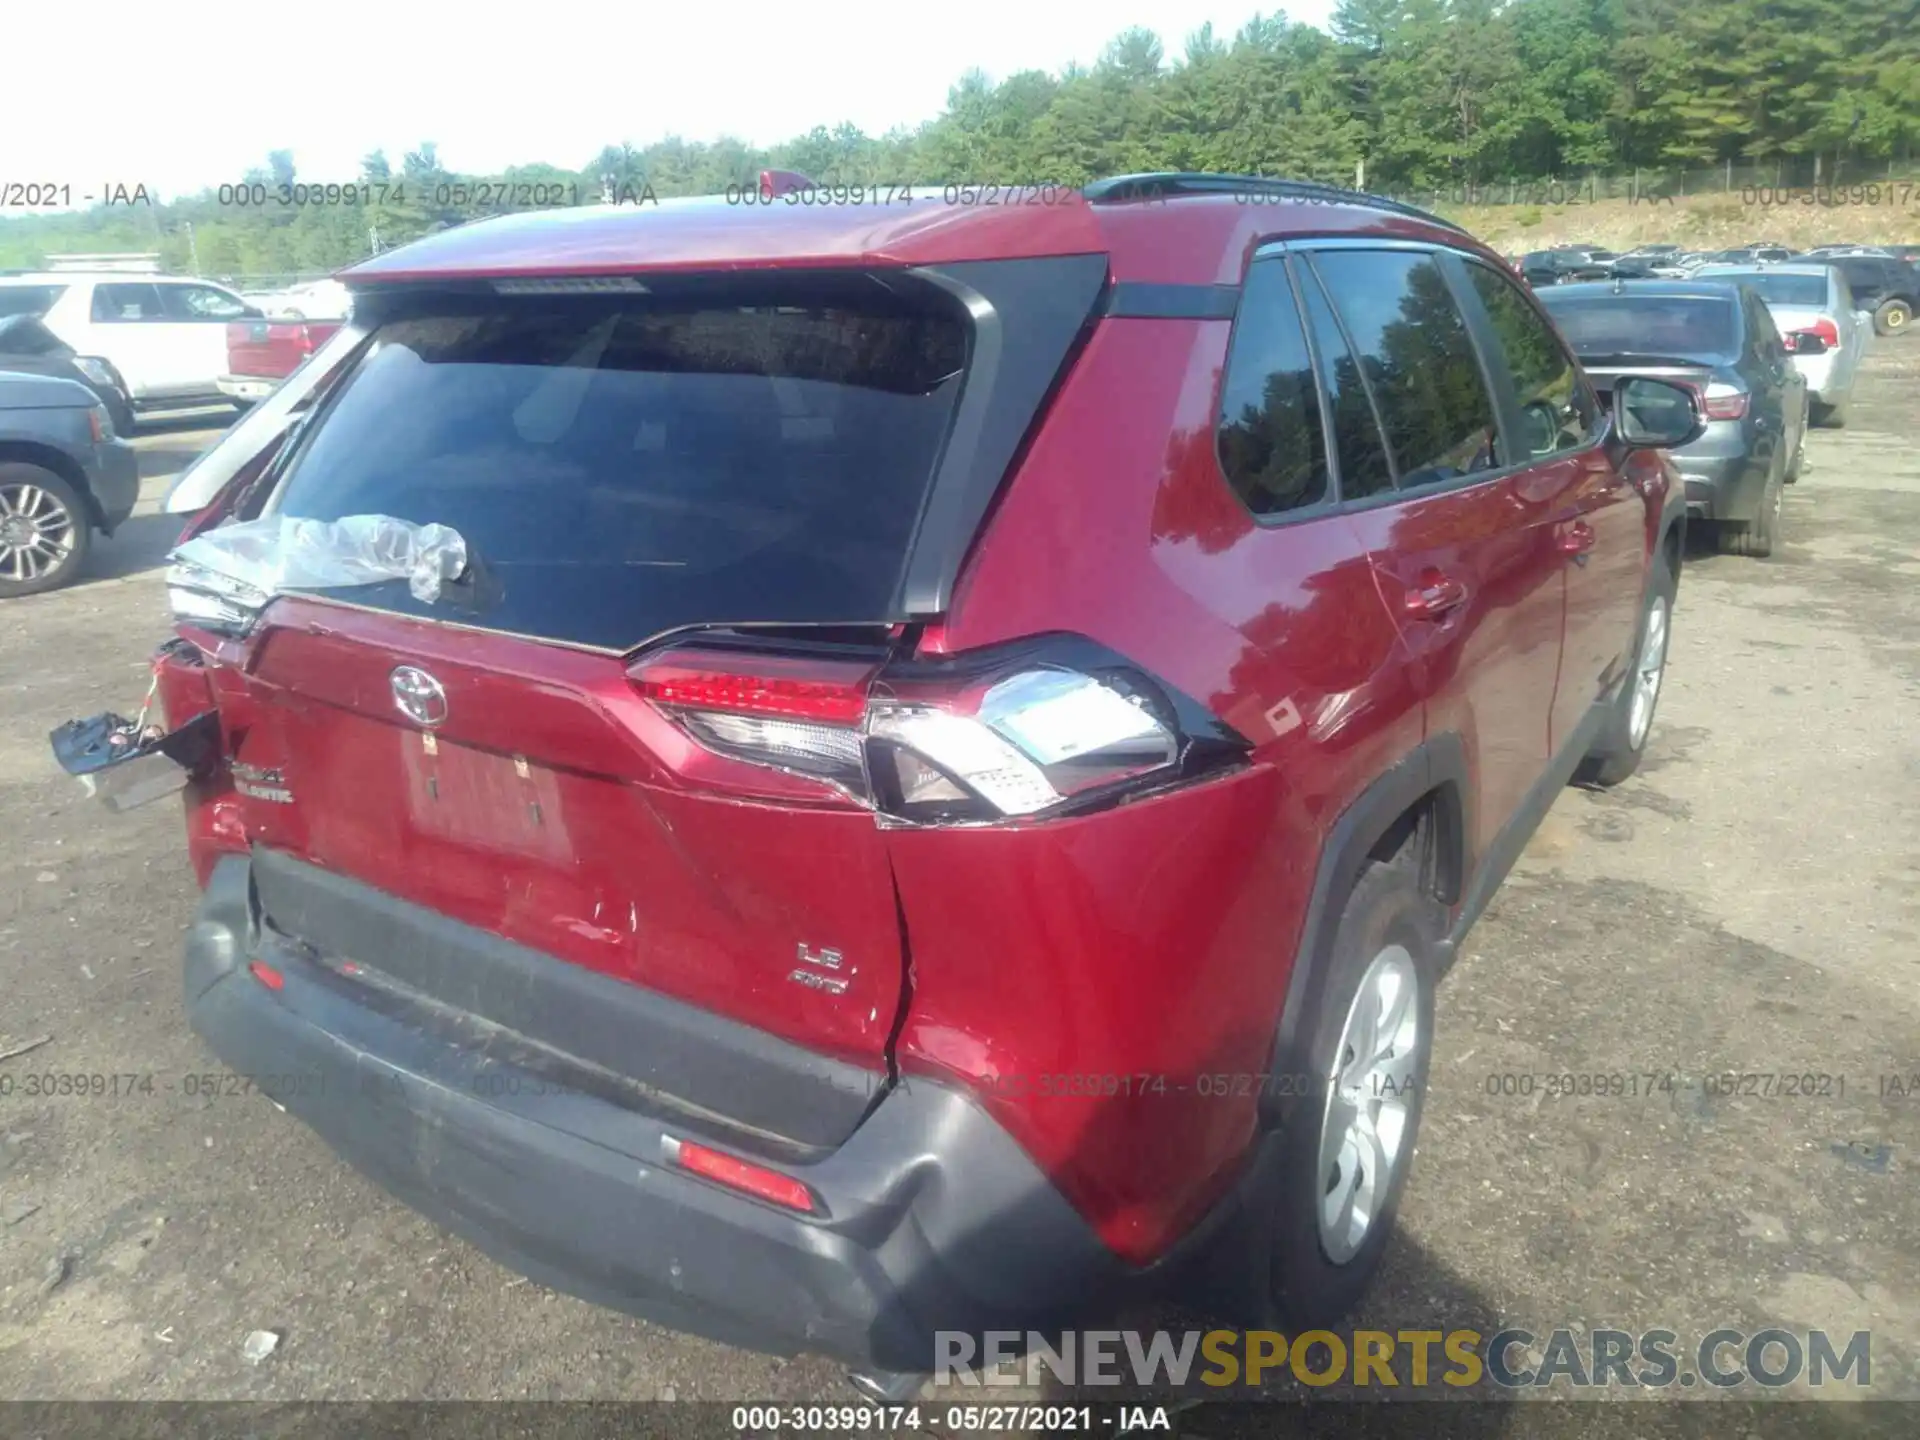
125 91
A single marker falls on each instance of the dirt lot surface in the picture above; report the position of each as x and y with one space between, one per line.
1749 903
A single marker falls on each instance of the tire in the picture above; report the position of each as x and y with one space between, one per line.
1387 945
1758 537
46 530
1892 317
1832 416
1623 738
1798 463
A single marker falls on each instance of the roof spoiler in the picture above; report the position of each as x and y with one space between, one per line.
1158 185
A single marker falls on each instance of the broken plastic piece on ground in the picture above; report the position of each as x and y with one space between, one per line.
259 1345
127 767
258 559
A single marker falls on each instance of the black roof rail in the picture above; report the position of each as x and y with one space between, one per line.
1159 184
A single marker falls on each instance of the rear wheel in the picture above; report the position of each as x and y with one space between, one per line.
44 530
1756 538
1623 739
1892 317
1347 1149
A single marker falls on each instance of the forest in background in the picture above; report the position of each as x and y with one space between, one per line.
1423 95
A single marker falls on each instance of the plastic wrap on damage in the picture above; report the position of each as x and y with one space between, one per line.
283 552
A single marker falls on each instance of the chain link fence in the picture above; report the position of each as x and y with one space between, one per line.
1799 179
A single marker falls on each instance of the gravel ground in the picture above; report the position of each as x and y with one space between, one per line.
1749 903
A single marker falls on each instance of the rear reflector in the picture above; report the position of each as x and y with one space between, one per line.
762 1184
267 975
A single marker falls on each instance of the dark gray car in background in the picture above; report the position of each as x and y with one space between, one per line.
63 475
1718 340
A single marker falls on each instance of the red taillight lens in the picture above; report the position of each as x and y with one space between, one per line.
1723 402
736 1174
1825 329
267 975
831 692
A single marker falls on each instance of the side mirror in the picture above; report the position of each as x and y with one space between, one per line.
1805 342
1652 414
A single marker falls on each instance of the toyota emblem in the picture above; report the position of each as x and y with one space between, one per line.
419 696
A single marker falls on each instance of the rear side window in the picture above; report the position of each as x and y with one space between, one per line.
1555 404
623 465
1761 330
1271 444
127 302
35 300
1414 350
1364 467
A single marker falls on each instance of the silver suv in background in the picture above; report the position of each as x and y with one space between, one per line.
63 475
1811 299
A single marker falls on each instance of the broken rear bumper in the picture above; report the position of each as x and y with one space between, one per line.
934 1219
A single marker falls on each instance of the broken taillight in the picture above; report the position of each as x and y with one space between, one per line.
1032 729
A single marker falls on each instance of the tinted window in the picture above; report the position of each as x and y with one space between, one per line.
1555 405
1271 445
1762 334
1414 351
1678 326
29 299
623 465
1867 277
1804 290
1364 467
201 302
127 302
24 335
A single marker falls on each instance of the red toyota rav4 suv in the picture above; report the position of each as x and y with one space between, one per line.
955 750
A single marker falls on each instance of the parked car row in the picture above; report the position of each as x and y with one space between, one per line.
1883 282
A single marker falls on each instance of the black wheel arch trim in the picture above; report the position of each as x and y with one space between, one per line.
1439 763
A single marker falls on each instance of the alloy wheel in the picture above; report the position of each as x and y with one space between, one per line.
1364 1127
1649 670
37 532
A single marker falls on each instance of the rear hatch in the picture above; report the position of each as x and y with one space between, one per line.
743 459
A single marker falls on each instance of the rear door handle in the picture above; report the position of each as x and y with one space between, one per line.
1434 597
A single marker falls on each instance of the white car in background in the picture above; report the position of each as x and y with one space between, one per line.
1811 299
165 334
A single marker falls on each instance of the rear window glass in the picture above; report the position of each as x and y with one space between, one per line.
1683 326
620 466
33 300
1778 289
